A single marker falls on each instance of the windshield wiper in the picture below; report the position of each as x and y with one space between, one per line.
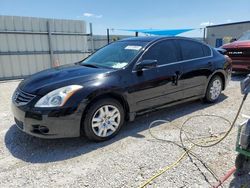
95 66
89 65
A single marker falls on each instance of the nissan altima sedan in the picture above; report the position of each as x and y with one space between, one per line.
127 78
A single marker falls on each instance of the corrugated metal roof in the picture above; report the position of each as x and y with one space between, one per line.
234 23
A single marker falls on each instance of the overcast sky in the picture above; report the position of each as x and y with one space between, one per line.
134 14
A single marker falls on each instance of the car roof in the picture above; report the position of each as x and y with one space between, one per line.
151 39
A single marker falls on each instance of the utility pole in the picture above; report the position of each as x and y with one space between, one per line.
108 35
92 37
204 34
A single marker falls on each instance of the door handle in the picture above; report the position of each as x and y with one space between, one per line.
176 77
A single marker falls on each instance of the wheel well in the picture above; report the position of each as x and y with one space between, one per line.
117 97
222 78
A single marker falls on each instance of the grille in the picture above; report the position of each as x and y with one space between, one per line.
22 98
239 52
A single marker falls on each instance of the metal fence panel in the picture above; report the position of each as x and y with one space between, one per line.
25 44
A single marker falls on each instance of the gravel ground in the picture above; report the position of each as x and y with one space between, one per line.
130 158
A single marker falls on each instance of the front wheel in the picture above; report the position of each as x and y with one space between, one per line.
103 119
214 89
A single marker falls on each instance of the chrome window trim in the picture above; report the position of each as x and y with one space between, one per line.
183 61
176 62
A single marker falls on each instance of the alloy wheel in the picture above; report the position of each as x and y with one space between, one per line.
215 90
106 120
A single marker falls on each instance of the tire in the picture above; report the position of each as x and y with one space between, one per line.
103 119
214 89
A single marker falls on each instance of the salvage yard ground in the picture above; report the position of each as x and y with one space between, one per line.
128 160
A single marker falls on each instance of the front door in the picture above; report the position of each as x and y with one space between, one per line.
160 85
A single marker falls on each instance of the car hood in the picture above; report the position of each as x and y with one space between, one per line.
237 44
50 79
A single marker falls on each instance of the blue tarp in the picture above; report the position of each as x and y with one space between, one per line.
169 32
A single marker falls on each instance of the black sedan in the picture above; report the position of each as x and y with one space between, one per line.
124 79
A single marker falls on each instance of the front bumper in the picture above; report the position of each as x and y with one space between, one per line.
48 124
241 65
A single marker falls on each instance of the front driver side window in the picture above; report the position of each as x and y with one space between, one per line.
164 52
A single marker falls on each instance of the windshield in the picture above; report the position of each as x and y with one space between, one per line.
245 36
115 55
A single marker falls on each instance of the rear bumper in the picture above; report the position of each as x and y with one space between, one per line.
46 125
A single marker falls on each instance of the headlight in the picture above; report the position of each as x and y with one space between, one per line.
57 97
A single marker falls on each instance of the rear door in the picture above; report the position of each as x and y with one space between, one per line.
160 85
197 65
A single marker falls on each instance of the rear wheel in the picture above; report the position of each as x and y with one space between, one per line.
214 89
103 119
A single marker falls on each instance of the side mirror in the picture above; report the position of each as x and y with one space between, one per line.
146 64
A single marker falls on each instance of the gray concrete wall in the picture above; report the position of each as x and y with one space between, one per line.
226 32
25 44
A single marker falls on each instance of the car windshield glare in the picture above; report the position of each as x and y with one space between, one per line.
115 55
245 36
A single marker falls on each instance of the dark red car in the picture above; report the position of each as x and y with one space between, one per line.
239 52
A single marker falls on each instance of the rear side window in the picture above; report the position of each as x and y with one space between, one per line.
206 50
191 49
164 52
